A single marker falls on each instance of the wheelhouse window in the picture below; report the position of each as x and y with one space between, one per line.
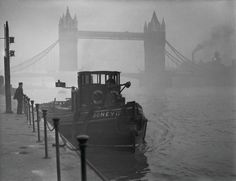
95 79
103 80
112 79
85 79
90 78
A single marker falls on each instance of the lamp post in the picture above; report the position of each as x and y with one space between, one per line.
8 54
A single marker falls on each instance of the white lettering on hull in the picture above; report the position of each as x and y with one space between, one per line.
106 114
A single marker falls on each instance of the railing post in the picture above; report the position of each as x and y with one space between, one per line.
32 109
72 98
24 103
45 132
82 140
28 102
38 120
56 124
26 109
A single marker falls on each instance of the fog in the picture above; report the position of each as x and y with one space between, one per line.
191 125
189 25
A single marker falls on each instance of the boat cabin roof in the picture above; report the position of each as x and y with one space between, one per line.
98 77
98 72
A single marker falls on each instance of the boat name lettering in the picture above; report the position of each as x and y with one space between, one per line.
106 114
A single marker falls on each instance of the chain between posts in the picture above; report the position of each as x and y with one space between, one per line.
50 128
77 150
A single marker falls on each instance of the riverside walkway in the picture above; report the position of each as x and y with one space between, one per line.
22 157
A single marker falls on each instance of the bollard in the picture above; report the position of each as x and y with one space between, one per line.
32 110
56 124
28 103
82 139
38 126
45 133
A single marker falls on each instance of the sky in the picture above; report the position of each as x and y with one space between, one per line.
34 24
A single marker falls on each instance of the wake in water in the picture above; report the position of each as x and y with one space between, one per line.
191 135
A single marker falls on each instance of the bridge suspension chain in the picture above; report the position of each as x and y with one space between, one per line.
180 55
184 59
34 59
173 59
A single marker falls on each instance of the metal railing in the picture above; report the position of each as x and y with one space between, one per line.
30 110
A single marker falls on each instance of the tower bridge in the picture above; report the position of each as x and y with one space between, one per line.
153 37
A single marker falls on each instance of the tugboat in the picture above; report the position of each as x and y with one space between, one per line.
98 109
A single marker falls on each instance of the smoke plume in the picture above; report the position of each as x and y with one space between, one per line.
222 39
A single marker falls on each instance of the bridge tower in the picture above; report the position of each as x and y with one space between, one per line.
68 42
154 47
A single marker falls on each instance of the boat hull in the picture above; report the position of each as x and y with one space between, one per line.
105 127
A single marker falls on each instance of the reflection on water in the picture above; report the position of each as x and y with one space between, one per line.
119 164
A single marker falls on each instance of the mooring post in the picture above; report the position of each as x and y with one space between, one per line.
28 102
82 140
72 98
32 109
38 120
45 133
24 103
56 124
25 107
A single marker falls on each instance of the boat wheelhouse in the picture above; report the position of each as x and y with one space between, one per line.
99 110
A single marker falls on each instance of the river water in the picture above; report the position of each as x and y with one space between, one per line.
190 136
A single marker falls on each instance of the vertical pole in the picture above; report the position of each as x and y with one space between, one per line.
82 139
56 124
38 126
72 98
32 109
24 103
26 107
7 70
29 110
45 133
54 104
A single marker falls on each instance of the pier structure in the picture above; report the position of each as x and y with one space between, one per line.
22 158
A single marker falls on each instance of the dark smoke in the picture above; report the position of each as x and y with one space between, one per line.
221 39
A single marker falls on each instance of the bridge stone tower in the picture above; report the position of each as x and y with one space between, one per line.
154 47
68 42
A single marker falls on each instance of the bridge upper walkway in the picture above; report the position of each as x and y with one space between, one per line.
110 35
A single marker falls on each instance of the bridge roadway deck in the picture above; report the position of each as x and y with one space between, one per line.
22 158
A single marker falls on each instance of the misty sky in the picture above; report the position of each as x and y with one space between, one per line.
34 24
